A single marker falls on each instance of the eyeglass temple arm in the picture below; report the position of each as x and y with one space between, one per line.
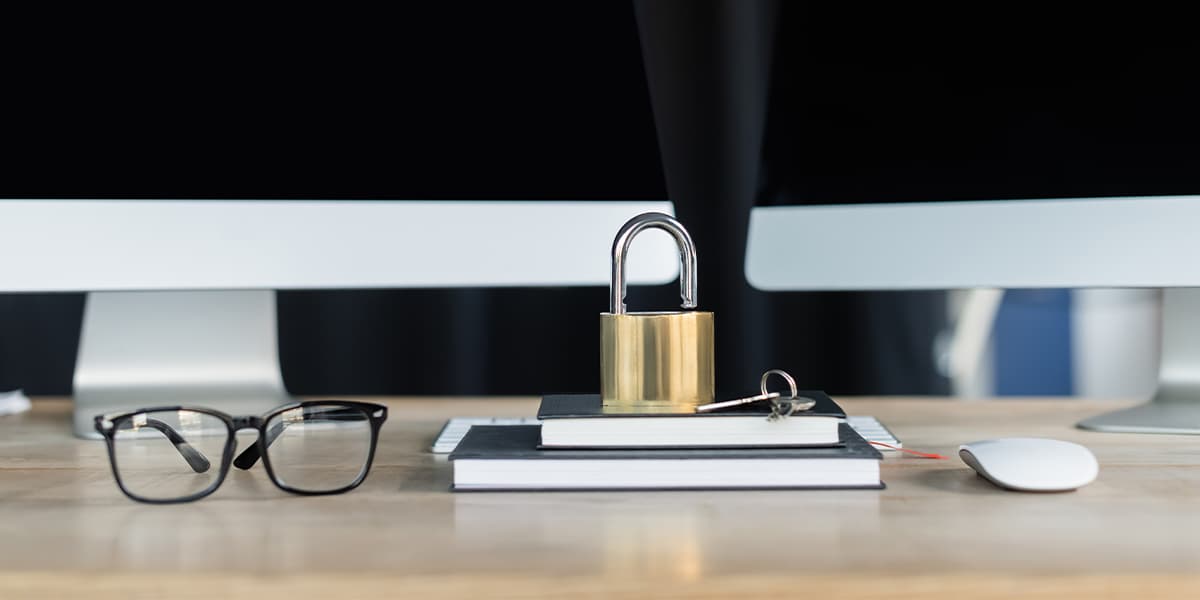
250 455
194 457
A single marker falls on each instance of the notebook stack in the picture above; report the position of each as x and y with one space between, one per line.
578 446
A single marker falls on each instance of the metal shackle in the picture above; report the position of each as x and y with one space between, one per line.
687 258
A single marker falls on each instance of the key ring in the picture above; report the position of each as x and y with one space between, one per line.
784 407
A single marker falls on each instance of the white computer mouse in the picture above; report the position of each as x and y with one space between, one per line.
1031 464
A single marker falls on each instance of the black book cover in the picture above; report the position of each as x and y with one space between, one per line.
517 442
575 406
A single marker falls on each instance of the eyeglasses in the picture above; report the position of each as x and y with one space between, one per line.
165 455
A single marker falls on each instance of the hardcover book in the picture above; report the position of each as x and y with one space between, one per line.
508 457
579 421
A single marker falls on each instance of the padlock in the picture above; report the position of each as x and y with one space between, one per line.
655 362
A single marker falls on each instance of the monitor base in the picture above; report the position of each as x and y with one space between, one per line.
215 349
1155 416
1175 408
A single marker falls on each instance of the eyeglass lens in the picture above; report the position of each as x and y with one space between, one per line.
319 448
165 455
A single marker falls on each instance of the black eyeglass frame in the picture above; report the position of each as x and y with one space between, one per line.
107 426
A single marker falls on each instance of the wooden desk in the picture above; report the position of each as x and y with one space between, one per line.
938 531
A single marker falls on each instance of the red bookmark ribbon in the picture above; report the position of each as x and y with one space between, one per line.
912 452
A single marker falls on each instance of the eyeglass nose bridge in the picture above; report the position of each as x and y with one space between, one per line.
250 422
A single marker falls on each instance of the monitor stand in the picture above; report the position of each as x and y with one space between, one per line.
1175 407
215 349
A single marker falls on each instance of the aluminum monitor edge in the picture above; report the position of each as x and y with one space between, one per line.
109 245
1061 243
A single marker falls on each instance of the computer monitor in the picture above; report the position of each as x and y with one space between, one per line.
993 149
181 302
1081 243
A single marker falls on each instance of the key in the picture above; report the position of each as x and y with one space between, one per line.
738 402
780 407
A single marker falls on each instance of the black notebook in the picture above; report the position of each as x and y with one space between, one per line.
507 457
578 421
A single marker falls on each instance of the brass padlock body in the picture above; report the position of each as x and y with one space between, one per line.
656 362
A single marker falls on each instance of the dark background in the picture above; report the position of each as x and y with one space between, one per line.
746 102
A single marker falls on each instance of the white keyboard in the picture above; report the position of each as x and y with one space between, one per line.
874 431
868 427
